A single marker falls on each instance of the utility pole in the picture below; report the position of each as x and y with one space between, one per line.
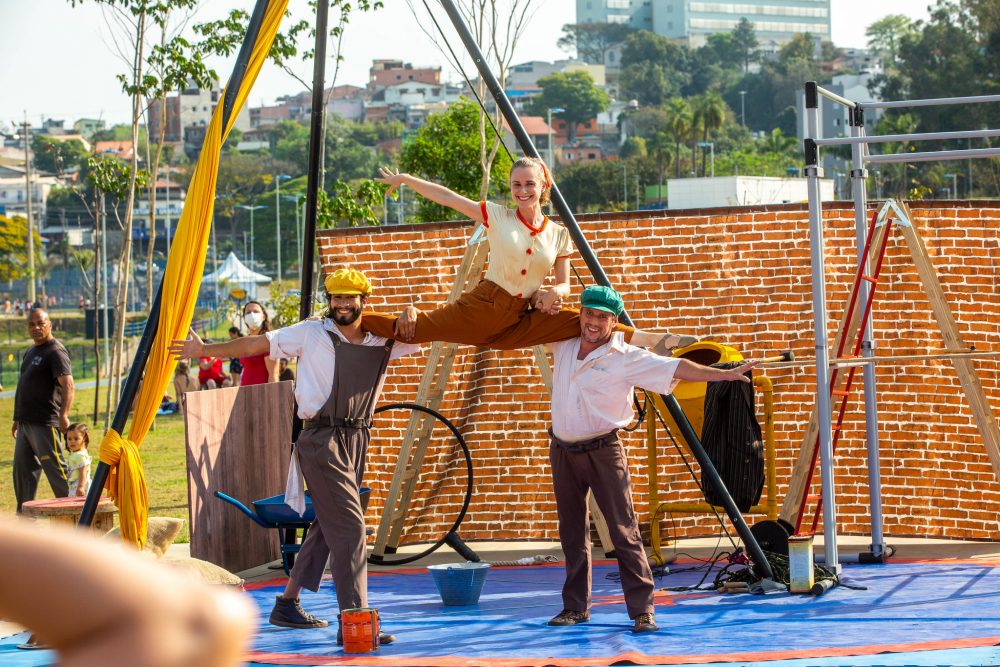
31 226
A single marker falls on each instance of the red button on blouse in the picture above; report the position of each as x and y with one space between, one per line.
528 251
524 272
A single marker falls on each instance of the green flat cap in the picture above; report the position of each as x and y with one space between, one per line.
603 298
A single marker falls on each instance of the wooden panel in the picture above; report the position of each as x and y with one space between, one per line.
238 442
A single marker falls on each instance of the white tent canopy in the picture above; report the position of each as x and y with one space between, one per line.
235 273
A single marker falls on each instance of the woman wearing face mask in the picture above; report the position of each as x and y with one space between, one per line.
257 369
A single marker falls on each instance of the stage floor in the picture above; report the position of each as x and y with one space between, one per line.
912 612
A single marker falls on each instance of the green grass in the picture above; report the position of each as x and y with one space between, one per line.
163 458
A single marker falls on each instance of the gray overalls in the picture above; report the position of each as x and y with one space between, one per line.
331 451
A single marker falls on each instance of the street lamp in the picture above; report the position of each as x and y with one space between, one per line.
711 146
954 184
298 227
251 209
278 178
743 116
549 112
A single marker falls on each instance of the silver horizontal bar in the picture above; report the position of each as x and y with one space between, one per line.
928 136
940 101
933 156
835 97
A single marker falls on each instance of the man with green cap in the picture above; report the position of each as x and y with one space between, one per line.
592 382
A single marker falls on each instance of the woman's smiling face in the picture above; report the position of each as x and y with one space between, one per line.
526 186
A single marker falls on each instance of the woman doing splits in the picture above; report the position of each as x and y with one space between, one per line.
509 309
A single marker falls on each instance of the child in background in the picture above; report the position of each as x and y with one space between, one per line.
78 461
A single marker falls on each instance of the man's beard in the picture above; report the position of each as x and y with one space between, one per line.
345 320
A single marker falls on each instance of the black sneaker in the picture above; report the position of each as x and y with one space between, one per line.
383 637
645 623
569 617
288 613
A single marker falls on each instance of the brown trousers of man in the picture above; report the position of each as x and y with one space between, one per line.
603 470
488 316
333 462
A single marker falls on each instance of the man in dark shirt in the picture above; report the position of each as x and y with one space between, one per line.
41 405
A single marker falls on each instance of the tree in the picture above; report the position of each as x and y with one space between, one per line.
446 150
662 154
745 43
801 46
951 55
353 207
680 120
711 109
886 34
57 155
496 26
225 36
173 63
653 68
111 178
592 41
14 248
634 147
128 22
575 93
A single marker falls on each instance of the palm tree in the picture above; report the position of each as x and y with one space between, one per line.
713 111
662 152
680 119
776 142
903 123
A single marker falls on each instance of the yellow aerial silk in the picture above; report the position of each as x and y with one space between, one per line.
181 282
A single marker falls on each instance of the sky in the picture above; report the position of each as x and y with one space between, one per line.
58 61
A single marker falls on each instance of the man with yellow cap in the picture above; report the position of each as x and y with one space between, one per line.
341 367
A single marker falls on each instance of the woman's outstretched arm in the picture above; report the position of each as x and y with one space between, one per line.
436 193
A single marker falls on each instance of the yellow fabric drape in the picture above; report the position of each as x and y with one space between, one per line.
126 481
181 283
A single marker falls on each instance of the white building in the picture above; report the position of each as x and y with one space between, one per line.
14 192
415 92
686 193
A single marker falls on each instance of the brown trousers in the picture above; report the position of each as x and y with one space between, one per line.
604 471
488 316
331 459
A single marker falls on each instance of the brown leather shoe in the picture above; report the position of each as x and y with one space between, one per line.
645 623
569 617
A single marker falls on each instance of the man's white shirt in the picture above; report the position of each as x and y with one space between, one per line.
593 396
309 341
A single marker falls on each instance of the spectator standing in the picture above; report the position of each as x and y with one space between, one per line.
258 368
42 403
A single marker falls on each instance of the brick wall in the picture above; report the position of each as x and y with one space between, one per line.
740 275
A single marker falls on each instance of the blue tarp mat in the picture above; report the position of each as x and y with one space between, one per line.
919 613
907 607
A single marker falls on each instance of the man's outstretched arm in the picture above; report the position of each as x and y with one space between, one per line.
193 346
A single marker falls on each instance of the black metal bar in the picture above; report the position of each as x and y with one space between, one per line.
316 148
121 414
812 95
594 265
138 367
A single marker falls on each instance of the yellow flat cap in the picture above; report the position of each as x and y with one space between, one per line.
348 281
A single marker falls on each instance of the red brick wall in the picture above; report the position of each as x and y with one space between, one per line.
742 276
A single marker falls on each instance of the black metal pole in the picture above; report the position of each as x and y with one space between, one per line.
316 148
594 265
138 367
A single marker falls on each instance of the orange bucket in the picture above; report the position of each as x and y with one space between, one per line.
360 628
